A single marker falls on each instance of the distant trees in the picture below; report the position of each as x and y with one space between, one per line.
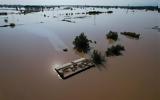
109 12
94 12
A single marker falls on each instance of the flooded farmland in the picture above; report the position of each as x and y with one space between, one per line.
30 49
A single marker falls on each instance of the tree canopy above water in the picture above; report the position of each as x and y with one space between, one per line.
81 43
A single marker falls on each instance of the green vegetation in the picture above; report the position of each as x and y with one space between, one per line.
131 34
112 35
81 43
97 57
115 50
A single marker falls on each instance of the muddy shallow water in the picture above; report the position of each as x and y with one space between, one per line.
30 49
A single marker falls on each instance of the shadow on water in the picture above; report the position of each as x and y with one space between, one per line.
102 66
110 41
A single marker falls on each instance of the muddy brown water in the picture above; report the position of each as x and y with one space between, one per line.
29 51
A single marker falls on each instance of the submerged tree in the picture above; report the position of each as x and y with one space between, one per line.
112 35
81 43
115 50
97 57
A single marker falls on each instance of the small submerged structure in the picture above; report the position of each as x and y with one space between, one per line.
67 70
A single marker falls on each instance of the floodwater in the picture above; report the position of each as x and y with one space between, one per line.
29 51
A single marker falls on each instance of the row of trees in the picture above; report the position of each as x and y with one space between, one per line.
82 44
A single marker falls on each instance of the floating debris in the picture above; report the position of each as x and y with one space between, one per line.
67 70
65 50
